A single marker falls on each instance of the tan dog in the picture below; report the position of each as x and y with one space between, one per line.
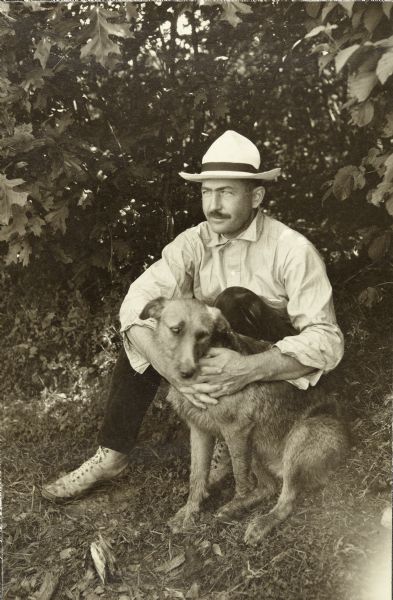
273 430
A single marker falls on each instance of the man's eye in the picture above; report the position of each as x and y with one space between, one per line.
175 330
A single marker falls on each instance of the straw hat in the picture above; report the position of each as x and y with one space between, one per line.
232 156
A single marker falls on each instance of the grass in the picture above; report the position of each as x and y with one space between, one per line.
333 547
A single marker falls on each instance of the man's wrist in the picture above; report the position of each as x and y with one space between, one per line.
261 365
273 365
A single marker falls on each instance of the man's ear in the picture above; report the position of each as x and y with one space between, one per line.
258 195
154 308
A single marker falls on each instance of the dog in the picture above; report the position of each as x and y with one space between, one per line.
273 430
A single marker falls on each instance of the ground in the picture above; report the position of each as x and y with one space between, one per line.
333 547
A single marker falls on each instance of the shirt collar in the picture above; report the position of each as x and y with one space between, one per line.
251 234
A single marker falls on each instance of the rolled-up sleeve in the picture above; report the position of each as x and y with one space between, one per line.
320 342
171 277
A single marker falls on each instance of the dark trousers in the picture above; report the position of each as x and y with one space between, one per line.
131 393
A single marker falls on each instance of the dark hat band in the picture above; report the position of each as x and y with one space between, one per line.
228 166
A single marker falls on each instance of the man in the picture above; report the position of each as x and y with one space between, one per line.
235 259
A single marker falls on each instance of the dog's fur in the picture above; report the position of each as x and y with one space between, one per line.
271 429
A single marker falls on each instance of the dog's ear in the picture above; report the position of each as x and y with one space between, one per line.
154 308
221 325
223 334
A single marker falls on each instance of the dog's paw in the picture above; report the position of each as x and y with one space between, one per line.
259 528
230 510
182 520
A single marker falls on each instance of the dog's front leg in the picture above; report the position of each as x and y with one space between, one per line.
238 440
202 444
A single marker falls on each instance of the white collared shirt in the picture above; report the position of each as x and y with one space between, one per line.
272 260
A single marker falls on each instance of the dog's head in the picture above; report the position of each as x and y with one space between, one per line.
186 329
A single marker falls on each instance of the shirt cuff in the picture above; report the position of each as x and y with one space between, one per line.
137 361
304 382
307 356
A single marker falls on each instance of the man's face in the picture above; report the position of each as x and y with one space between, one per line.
228 205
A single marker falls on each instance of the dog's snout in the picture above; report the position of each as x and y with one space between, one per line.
187 372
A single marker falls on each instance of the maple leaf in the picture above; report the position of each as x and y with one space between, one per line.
42 51
35 79
19 220
10 196
18 252
63 122
230 11
57 218
100 45
35 224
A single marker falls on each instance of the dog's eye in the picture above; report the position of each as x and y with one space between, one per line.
201 335
175 330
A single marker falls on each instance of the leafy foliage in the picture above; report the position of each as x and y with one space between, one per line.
358 38
101 104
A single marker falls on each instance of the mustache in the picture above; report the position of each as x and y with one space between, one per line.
218 215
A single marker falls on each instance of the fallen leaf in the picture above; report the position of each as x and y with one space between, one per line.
172 593
217 550
174 563
99 590
386 520
48 586
193 592
87 580
103 558
67 552
204 545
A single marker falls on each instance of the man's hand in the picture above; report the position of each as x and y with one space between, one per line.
223 371
201 398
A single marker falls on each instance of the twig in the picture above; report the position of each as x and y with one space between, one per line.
32 499
114 135
366 268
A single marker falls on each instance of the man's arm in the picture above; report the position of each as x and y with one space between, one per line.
231 371
319 343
